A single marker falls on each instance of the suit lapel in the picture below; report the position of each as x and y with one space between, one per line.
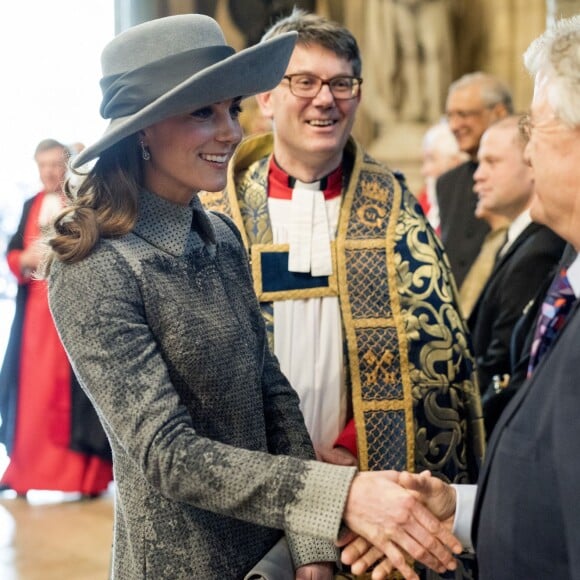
529 231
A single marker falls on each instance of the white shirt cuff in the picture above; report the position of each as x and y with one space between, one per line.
464 506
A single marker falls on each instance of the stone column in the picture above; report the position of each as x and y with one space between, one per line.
131 12
513 25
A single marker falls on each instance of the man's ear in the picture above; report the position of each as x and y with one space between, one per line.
264 101
499 111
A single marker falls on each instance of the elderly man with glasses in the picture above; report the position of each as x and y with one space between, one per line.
474 102
353 283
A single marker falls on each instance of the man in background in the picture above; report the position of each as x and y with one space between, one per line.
474 102
51 431
504 184
440 153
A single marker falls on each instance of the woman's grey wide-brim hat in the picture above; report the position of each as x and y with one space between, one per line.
176 64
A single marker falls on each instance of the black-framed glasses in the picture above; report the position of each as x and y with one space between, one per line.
308 86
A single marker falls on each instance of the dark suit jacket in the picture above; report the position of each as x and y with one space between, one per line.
462 233
527 513
520 345
514 281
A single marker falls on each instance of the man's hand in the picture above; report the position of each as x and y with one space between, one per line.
437 495
360 554
316 571
395 521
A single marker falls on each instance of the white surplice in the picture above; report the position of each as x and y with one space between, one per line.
308 342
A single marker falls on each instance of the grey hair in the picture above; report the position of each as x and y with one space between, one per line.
493 90
556 54
48 144
441 138
315 29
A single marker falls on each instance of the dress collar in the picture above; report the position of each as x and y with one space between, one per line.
167 225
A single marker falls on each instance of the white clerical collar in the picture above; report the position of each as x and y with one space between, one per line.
515 229
309 236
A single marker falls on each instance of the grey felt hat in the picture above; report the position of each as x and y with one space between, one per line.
180 63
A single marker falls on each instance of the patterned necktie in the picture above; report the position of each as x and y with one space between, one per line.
555 308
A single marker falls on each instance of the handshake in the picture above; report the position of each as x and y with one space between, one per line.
410 519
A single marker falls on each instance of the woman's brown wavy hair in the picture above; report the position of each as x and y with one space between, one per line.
104 205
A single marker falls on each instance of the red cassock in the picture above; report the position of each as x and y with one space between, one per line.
40 457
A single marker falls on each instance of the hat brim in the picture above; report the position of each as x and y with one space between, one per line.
248 72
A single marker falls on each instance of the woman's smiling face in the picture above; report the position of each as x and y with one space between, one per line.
190 152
